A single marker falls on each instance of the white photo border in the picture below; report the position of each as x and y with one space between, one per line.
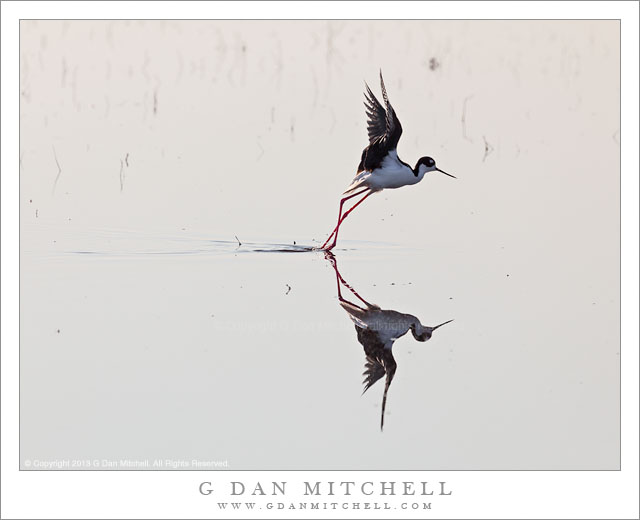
175 494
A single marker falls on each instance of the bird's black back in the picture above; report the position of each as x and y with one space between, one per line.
372 157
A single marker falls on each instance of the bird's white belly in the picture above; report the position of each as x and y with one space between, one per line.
392 174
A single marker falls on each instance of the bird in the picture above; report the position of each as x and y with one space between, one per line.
377 330
380 167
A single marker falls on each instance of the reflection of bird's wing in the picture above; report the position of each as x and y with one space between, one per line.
391 370
373 370
374 367
383 125
380 361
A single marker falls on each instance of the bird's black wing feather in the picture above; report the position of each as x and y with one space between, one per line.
383 127
376 117
393 126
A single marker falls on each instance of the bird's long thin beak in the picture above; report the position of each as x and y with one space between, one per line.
438 326
441 171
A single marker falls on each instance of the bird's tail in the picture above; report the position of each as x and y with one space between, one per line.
357 183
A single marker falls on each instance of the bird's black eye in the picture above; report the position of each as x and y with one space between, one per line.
428 162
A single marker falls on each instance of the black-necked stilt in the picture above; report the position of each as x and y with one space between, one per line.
380 167
377 330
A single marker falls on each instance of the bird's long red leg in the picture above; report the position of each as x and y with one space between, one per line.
342 201
335 237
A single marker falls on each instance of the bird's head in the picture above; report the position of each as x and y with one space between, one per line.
422 333
427 164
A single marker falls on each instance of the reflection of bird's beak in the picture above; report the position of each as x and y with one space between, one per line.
438 326
441 171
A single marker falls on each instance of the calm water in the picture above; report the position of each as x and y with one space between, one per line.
168 170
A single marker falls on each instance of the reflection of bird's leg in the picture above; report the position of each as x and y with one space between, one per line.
355 293
342 217
340 298
332 259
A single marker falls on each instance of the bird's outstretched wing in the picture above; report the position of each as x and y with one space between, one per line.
383 125
376 116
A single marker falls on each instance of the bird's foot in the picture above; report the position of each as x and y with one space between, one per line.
324 246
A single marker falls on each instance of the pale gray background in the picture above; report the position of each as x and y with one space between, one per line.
174 136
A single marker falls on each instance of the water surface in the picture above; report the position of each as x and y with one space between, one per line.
168 168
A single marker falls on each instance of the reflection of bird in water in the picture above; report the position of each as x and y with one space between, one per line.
380 167
377 330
